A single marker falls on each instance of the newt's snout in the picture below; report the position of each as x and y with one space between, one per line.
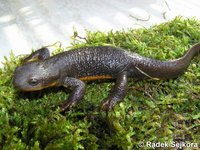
17 78
20 79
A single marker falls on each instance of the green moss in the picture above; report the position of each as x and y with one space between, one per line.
161 111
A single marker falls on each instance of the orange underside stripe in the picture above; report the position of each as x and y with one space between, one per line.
91 78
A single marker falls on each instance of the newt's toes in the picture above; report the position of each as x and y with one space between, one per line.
107 105
66 106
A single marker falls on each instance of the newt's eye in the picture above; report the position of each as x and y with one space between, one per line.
33 82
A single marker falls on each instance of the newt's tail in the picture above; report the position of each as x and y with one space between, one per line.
191 53
169 69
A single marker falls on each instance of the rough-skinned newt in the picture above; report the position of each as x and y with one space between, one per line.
71 68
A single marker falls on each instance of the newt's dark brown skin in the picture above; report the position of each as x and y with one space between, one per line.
71 68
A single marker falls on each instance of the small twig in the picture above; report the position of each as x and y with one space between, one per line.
140 19
164 14
83 38
146 74
149 95
167 5
77 36
60 44
137 88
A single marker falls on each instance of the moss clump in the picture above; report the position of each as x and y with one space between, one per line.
156 111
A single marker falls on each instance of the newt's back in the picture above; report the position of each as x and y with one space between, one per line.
92 61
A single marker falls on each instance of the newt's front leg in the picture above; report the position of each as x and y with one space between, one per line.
118 92
78 89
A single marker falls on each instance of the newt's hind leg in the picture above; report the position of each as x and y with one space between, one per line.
118 92
40 54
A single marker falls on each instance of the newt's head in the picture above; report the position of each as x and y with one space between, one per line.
34 76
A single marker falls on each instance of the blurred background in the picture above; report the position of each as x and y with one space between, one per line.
27 25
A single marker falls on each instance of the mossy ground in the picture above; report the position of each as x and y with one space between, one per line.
159 111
